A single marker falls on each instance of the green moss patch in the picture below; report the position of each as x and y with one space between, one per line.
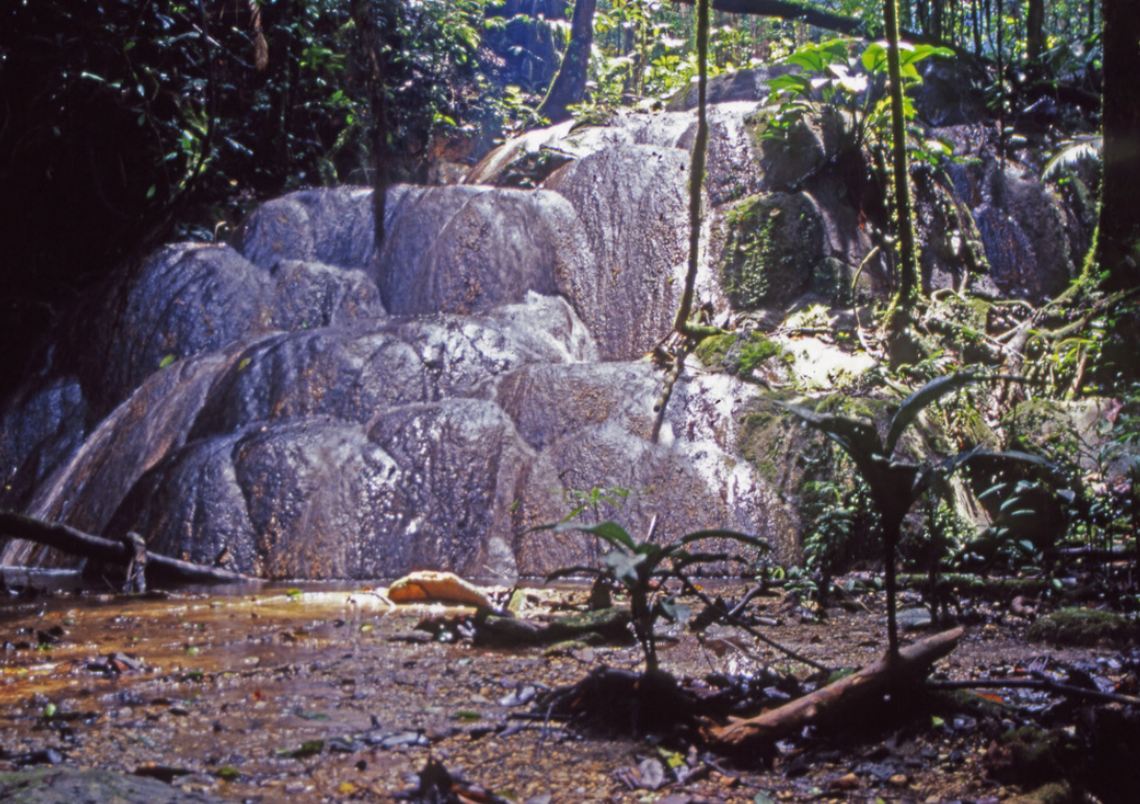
774 244
712 350
1084 627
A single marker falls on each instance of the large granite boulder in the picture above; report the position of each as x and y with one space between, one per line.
301 404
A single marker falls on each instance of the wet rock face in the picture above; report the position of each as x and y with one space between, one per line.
301 404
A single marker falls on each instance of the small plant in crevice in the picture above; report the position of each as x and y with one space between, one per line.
597 498
831 81
642 569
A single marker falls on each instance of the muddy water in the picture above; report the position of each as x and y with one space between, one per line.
273 694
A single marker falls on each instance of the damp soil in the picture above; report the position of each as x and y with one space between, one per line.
323 694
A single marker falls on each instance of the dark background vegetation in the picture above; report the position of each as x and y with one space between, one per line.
124 124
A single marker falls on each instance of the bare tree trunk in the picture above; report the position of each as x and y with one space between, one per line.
898 315
1118 241
569 86
1035 30
372 43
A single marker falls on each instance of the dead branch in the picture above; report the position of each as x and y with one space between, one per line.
736 621
85 545
1044 684
832 701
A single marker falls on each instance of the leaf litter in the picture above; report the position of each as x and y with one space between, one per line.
317 696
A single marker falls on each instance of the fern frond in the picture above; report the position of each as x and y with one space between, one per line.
1083 146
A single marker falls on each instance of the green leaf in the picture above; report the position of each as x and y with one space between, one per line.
467 714
301 713
166 361
918 400
608 531
717 533
626 568
874 57
858 439
791 83
308 749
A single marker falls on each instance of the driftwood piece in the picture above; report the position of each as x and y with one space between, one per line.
832 701
76 542
610 624
135 548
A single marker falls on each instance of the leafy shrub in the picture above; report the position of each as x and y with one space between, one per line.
642 568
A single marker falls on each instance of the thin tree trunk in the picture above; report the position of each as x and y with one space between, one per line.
1035 30
372 44
569 85
977 29
898 315
696 174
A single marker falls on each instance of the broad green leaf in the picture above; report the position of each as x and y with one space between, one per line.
874 57
858 439
166 361
608 531
626 568
717 533
795 84
918 400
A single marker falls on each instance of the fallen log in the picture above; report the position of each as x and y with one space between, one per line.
610 624
85 545
831 702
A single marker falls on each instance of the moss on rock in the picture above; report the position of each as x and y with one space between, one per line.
1082 626
774 244
712 350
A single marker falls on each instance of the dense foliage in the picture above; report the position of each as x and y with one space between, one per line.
128 123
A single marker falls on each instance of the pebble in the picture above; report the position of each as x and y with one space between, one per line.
898 780
848 782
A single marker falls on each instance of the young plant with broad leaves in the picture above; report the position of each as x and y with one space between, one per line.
642 569
895 483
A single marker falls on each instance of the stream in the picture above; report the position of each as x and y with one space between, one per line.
326 692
